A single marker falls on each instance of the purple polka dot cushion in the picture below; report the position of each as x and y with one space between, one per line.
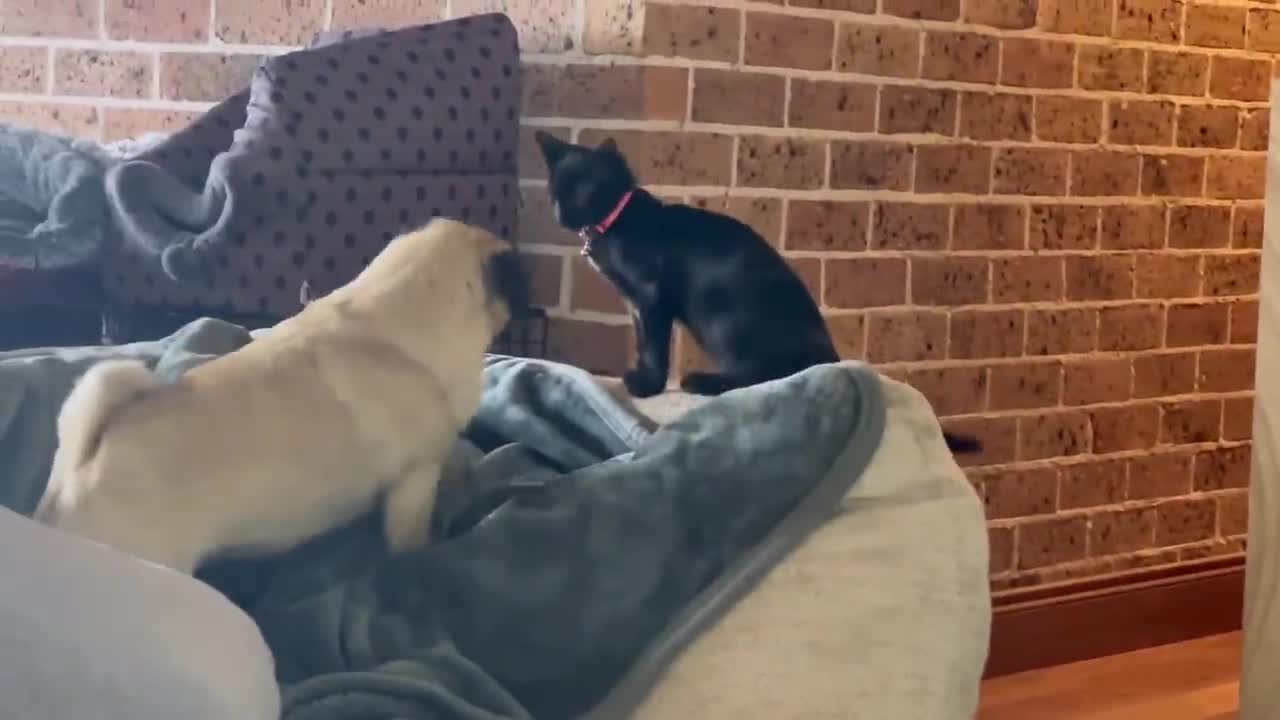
329 154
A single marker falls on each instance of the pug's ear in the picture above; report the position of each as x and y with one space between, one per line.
553 148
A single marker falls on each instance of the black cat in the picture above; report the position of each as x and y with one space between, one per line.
737 296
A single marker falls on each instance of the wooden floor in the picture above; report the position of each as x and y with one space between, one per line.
1196 680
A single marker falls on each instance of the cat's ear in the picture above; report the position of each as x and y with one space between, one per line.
553 148
607 145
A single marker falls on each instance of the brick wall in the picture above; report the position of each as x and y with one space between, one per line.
1046 217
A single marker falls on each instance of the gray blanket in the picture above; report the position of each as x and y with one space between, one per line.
576 551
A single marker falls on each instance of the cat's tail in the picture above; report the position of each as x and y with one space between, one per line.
104 389
962 444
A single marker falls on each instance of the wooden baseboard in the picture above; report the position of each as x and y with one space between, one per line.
1066 622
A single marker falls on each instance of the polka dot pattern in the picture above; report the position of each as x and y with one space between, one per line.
334 150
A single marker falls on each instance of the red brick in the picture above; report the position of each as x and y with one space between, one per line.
809 270
865 282
1255 129
906 335
967 57
1140 122
871 165
848 332
1237 177
1063 227
1025 385
1030 171
1047 435
671 158
1233 515
1180 175
788 41
125 123
1077 17
1214 126
1226 370
603 91
989 227
993 116
986 333
1105 67
1190 421
1130 327
1020 493
1235 274
694 32
823 225
781 162
1222 468
1099 277
1240 78
544 273
1154 20
1237 418
1096 380
997 435
1124 427
1246 227
878 50
1264 30
270 22
1122 531
1104 172
952 390
738 98
1196 324
206 77
1133 227
827 105
1244 321
1008 14
591 291
1051 542
50 18
182 21
905 109
923 9
1092 484
1163 275
953 169
24 69
102 74
595 347
762 214
1030 62
1068 119
1030 278
1000 544
1215 25
1199 226
910 226
949 280
357 14
1177 73
1159 475
865 7
1164 374
1061 331
547 26
1185 520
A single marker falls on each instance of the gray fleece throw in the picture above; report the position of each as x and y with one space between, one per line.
576 551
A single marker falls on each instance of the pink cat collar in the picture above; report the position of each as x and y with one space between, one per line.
603 226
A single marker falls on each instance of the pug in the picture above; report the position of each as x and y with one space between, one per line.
354 401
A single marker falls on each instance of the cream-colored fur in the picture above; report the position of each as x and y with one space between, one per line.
357 398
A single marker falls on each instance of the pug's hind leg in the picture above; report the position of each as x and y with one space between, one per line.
408 506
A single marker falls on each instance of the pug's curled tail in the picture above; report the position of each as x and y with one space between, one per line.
104 389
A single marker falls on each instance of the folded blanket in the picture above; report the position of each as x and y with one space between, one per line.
570 596
53 208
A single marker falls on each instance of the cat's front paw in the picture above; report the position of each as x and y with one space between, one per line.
642 383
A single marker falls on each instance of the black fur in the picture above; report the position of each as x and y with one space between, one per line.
508 281
737 296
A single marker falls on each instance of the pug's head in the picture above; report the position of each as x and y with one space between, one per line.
457 279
